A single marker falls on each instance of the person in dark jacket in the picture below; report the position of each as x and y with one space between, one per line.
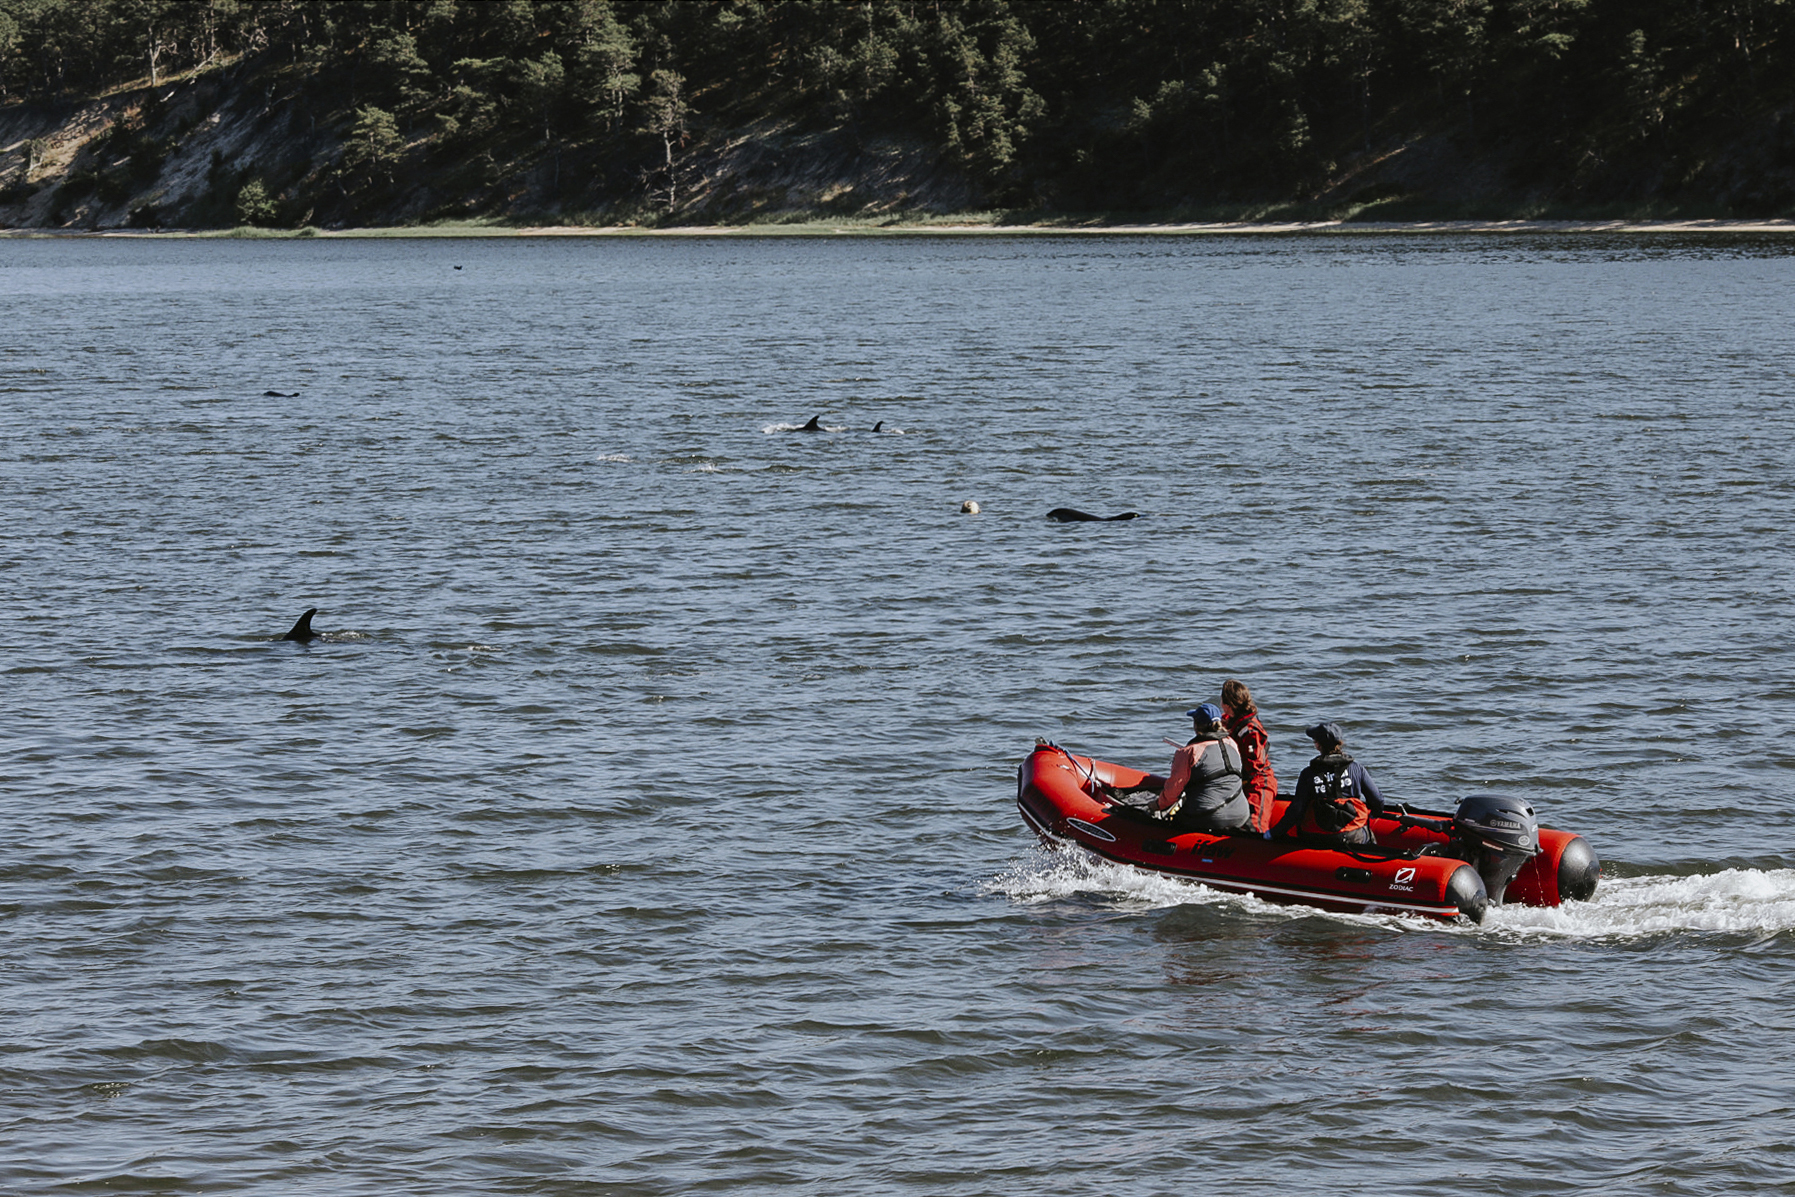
1241 717
1206 776
1335 796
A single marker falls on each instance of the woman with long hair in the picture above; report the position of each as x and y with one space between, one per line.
1241 717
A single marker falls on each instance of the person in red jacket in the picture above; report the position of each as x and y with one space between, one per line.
1241 718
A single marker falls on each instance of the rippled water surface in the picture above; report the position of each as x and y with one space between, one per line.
642 823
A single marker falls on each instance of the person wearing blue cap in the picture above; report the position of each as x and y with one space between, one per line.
1335 796
1203 791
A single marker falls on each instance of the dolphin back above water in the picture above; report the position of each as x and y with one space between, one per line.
1071 515
816 425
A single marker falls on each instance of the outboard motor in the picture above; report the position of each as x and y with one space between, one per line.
1499 835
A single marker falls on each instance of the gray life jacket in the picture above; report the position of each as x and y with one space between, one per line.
1214 794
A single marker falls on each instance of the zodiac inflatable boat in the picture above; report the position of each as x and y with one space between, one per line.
1430 863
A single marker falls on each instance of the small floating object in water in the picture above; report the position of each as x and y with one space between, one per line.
969 507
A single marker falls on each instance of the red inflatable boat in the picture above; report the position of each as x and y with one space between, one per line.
1428 863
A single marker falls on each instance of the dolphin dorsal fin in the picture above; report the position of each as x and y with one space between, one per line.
302 628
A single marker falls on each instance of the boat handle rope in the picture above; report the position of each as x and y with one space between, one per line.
1090 774
1101 789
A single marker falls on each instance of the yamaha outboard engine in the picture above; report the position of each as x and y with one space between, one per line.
1500 835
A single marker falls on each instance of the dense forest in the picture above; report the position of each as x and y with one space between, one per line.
284 112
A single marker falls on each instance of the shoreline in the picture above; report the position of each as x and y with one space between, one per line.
945 228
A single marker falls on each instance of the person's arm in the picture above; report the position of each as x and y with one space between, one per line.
1261 756
1177 779
1252 748
1305 783
1374 801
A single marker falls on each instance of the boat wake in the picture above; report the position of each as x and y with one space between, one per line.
1733 901
1758 902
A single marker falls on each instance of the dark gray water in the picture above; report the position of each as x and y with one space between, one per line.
642 824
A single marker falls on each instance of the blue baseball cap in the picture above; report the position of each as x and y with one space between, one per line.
1207 713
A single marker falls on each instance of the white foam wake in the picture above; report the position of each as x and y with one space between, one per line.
772 428
1053 875
1738 901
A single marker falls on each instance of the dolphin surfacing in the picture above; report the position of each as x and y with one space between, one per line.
813 426
302 630
1071 515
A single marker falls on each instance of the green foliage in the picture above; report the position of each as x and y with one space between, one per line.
666 112
372 148
112 187
604 63
540 82
80 183
1080 104
254 205
404 77
983 102
9 47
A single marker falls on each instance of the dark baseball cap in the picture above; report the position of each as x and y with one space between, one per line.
1326 733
